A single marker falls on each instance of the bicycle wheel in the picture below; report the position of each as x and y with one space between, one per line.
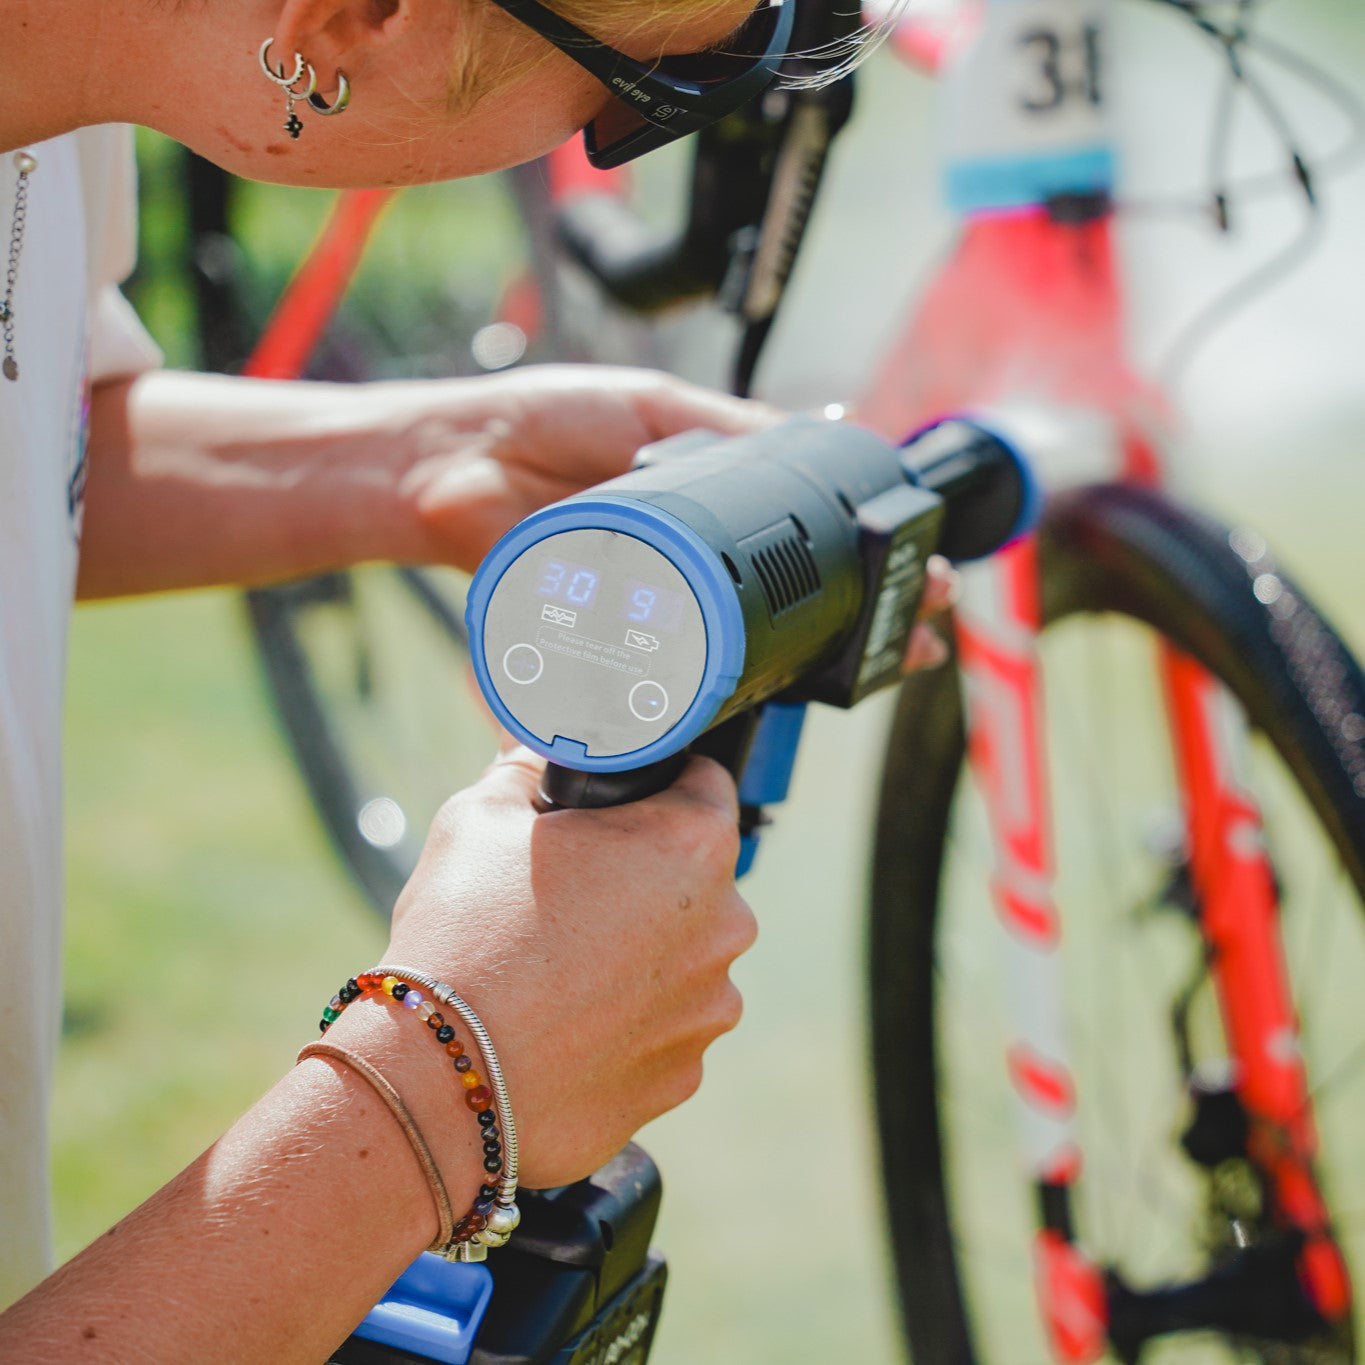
368 669
369 672
1120 568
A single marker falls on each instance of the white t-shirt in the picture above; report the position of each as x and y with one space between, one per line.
71 328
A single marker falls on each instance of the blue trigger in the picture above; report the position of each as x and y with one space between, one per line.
767 771
748 851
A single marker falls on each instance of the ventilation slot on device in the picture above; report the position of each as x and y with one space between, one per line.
784 565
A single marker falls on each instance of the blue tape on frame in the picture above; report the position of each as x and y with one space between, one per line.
1012 182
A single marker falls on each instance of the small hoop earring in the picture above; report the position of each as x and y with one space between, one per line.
303 71
276 74
343 97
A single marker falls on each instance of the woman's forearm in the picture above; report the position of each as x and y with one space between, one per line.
197 480
278 1239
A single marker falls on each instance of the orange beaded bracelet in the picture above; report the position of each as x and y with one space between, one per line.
493 1215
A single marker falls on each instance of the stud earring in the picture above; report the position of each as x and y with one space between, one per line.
303 71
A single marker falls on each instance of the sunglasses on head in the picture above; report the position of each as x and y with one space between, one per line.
659 102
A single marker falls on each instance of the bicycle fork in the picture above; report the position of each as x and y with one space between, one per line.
1238 902
1086 1308
997 628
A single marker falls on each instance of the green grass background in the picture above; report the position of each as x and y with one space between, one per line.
208 920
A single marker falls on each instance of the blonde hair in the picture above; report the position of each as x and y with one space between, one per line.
491 52
614 21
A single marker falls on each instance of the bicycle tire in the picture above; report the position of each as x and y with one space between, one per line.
1130 554
373 786
374 807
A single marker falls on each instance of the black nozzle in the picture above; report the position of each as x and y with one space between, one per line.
990 495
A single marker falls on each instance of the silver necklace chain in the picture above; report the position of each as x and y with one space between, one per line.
25 163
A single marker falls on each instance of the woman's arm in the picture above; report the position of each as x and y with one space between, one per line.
197 480
600 993
275 1242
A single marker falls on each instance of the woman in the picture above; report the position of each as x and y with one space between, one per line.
274 1243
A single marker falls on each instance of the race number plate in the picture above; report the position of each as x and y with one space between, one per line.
1023 107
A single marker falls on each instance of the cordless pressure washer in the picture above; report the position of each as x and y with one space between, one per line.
693 605
698 602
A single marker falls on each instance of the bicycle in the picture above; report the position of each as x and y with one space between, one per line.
1094 522
1228 1130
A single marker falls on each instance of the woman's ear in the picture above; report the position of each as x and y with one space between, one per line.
336 34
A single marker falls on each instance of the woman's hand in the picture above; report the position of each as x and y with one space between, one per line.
594 945
927 647
541 434
206 479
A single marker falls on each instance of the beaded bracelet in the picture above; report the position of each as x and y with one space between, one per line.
493 1215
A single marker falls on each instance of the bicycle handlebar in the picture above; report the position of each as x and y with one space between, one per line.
641 268
754 178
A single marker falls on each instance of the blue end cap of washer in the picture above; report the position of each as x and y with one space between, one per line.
1031 491
433 1310
706 575
1031 499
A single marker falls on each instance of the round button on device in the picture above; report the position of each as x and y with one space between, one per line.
648 701
523 664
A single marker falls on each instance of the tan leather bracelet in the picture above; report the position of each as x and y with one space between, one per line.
444 1213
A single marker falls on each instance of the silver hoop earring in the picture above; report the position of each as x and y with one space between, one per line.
343 97
303 71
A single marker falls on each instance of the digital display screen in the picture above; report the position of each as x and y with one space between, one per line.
658 608
638 603
565 582
593 639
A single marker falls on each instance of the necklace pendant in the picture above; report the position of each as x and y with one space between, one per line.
293 125
25 163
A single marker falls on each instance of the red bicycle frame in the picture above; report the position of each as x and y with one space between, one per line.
1028 309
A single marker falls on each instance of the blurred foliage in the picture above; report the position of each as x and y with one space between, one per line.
435 268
